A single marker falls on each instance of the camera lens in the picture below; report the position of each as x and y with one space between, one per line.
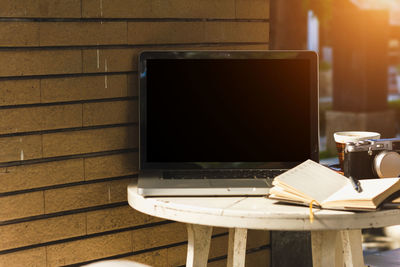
387 164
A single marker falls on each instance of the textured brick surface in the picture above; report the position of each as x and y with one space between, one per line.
116 218
177 255
30 257
83 88
220 263
64 116
237 31
116 9
109 60
255 9
40 118
257 238
16 92
20 120
41 231
153 258
114 60
165 32
196 32
233 47
20 148
133 85
80 60
219 230
218 246
194 9
39 62
111 166
259 258
89 249
21 205
41 8
118 192
110 113
24 177
82 33
88 141
82 196
60 8
249 47
19 33
159 236
158 9
19 8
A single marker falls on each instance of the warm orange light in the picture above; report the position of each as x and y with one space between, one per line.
377 4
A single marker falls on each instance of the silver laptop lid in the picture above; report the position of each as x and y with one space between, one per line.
227 109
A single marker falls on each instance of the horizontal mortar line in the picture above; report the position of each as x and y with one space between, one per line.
223 257
72 129
63 213
66 157
47 104
171 19
83 237
71 47
120 46
50 187
66 75
133 253
263 247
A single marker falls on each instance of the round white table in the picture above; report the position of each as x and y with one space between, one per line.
335 235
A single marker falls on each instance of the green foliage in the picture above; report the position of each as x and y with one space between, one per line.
323 108
321 8
326 154
394 104
324 65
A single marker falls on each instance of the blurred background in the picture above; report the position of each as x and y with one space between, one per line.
358 42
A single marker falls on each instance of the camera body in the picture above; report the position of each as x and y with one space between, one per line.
373 158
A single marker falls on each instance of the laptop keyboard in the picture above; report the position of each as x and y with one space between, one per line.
221 174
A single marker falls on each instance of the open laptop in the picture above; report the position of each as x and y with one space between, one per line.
224 122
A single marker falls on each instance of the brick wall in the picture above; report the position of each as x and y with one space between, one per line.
68 124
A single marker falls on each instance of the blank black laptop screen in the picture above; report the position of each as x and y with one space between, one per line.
228 110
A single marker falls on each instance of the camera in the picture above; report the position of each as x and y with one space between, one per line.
373 158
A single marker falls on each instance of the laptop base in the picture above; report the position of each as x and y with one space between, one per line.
155 186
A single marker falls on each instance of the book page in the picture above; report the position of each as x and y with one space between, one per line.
371 189
313 180
277 192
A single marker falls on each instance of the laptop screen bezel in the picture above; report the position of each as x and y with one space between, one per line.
311 56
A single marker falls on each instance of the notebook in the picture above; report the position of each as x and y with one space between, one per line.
312 183
224 122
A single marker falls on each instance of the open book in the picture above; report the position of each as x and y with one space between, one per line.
311 181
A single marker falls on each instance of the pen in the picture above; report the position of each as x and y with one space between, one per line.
356 184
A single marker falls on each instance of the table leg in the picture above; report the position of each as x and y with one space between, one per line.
237 247
326 249
337 248
199 238
352 248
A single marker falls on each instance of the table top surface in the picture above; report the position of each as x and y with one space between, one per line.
256 213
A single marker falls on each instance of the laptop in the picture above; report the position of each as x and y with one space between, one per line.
219 123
